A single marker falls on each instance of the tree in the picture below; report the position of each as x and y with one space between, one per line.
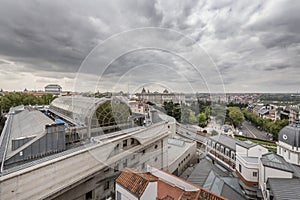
185 114
235 116
177 112
202 120
15 99
173 110
219 112
192 118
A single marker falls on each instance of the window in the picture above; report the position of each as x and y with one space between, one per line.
155 159
222 149
132 141
155 146
89 195
226 152
119 196
144 151
255 174
106 185
143 165
240 168
289 155
125 163
124 143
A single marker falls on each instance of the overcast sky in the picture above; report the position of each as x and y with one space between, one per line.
238 46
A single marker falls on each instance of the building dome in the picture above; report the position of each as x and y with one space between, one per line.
290 135
165 91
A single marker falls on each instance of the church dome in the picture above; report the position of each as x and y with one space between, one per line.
290 135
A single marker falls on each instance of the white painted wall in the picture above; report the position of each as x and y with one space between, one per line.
247 171
125 194
240 150
150 192
257 151
275 173
288 155
175 164
261 174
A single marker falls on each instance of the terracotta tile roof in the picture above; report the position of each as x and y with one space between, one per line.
135 181
165 190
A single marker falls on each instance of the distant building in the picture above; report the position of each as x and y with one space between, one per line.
53 89
294 113
265 111
156 184
160 98
139 107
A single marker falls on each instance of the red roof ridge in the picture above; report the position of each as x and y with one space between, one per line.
135 181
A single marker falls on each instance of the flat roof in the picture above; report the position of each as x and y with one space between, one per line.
247 144
250 159
176 147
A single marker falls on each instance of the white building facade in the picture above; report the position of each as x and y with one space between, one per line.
288 145
247 166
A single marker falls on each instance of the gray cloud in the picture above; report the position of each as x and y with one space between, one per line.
50 39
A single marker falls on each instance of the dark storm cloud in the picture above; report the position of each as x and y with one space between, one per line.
50 39
277 67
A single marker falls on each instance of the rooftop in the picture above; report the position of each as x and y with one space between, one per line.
290 135
247 144
201 171
176 147
253 160
27 124
283 188
134 181
212 178
224 186
275 161
226 140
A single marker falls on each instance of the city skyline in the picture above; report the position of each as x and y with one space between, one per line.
253 46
